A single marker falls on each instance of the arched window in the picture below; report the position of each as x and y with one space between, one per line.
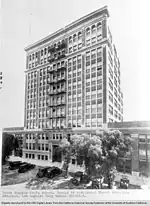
33 56
58 44
41 52
55 45
70 40
45 50
93 29
88 31
79 35
63 41
99 27
74 38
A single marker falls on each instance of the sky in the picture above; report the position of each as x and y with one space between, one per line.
25 21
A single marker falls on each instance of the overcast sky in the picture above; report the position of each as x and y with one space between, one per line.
131 34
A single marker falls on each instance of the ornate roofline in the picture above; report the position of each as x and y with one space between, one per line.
68 27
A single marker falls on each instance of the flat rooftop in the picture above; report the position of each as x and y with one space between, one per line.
129 124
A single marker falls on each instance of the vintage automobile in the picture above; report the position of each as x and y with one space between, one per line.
49 172
25 167
80 178
53 172
42 172
124 182
15 165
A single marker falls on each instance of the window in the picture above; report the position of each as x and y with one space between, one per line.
110 72
70 50
110 84
99 27
142 138
115 102
75 48
79 46
87 32
148 154
142 153
46 147
88 42
110 120
115 113
74 38
79 36
93 54
93 40
110 97
93 30
110 109
70 40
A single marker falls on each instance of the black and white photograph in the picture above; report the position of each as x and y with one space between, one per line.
74 95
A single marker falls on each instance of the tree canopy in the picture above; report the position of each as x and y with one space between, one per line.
99 153
9 143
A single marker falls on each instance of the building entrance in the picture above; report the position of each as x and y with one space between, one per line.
57 156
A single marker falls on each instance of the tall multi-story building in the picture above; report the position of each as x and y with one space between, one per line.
73 86
72 81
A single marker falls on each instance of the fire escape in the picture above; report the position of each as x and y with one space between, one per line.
57 81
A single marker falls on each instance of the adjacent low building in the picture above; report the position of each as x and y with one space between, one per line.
139 131
138 161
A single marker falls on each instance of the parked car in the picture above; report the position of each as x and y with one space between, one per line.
124 182
25 167
80 178
53 172
15 165
42 172
49 172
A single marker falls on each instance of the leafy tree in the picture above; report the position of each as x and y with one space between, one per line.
66 149
114 146
100 153
9 143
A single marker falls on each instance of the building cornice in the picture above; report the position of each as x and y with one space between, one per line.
68 27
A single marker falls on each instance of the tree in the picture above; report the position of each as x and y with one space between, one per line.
86 149
9 143
99 153
66 149
114 146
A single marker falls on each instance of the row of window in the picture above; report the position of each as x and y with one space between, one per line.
144 139
31 105
40 157
114 112
58 123
40 136
45 51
